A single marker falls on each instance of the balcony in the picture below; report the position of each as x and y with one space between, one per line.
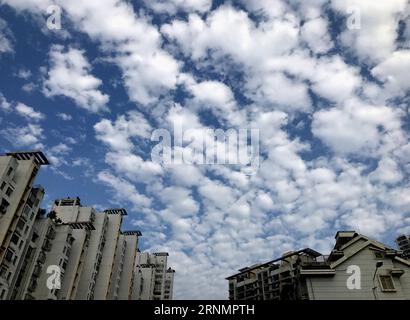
32 286
9 256
37 271
46 245
42 257
51 233
4 204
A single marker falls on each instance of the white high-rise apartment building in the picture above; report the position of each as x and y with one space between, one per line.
83 252
107 265
19 205
154 281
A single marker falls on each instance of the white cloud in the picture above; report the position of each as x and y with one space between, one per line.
315 33
58 155
61 149
267 8
29 87
173 6
375 39
387 171
179 201
117 135
334 79
134 44
69 75
5 43
133 166
229 31
28 112
24 74
394 71
124 190
280 92
218 194
27 136
356 127
215 96
212 93
185 175
264 52
64 116
4 104
214 220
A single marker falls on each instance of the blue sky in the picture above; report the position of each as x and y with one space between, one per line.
326 83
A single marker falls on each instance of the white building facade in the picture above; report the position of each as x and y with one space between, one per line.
72 253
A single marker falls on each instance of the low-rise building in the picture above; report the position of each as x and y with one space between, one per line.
357 268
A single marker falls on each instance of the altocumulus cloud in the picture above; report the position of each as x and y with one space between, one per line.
331 105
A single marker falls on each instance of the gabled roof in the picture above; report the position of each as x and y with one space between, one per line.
363 237
368 242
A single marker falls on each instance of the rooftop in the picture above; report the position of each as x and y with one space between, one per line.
39 156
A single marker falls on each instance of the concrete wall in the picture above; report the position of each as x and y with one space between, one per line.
92 261
335 288
127 276
108 257
13 224
117 268
150 276
58 255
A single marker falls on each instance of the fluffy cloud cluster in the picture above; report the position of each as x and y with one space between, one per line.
174 6
29 135
375 37
28 112
330 107
69 76
5 43
23 135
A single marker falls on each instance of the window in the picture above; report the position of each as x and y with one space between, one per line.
9 191
3 185
3 270
3 206
70 239
26 210
387 283
15 239
9 255
378 255
34 237
20 224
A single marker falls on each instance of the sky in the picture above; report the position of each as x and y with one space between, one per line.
325 83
